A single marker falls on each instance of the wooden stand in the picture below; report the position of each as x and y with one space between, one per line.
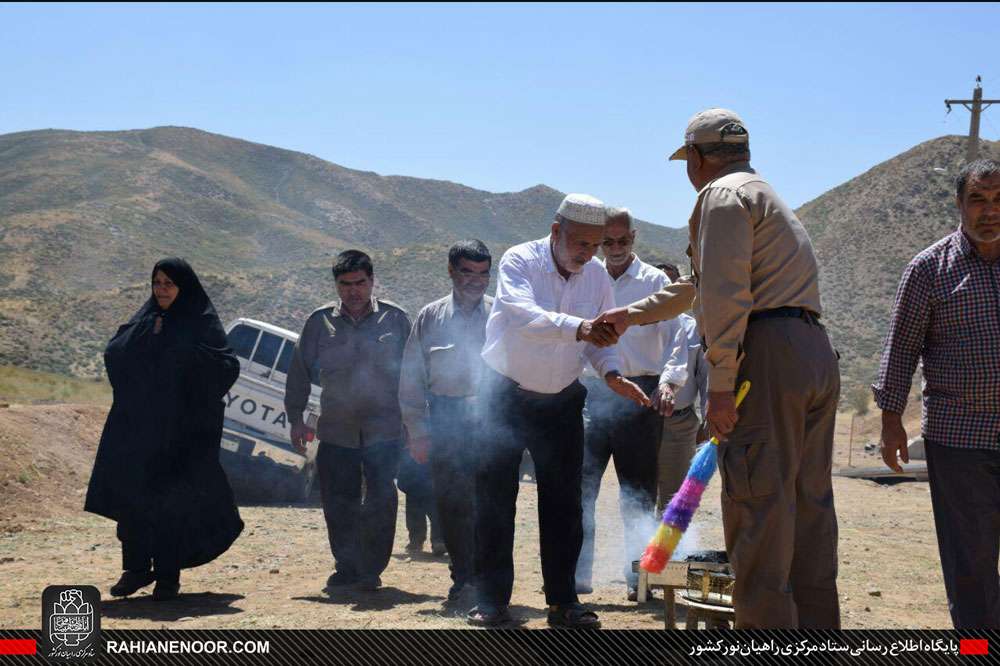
714 617
674 577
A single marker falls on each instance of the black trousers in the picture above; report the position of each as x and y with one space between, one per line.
361 530
454 444
620 429
965 495
551 427
414 480
137 553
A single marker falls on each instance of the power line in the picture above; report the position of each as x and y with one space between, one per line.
978 105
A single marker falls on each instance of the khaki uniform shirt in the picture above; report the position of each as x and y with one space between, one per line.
748 252
357 365
441 358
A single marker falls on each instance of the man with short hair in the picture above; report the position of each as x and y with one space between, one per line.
353 348
946 314
671 270
539 333
758 310
437 395
627 432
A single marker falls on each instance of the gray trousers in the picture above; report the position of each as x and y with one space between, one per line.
677 445
965 494
777 502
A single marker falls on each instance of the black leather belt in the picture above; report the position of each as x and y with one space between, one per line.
788 312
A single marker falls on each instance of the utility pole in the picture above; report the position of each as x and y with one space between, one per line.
978 105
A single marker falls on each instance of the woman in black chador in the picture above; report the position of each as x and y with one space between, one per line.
157 471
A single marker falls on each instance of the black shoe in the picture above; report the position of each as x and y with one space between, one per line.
438 548
340 579
456 590
369 583
166 590
415 547
131 582
633 593
485 616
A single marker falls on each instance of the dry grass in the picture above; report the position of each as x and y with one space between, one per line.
30 386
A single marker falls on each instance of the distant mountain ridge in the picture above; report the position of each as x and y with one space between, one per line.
84 215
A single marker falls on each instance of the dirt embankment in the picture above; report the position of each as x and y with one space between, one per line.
46 454
889 573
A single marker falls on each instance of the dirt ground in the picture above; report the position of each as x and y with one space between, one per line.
273 575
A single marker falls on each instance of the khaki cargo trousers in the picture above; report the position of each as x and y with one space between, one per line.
777 499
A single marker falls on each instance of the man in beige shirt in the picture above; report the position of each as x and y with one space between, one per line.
757 306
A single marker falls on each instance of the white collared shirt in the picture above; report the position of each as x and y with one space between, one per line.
644 350
531 330
691 365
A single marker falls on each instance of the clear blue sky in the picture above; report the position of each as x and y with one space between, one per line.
585 98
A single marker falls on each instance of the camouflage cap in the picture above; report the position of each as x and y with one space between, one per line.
712 126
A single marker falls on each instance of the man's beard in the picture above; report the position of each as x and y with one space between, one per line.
565 260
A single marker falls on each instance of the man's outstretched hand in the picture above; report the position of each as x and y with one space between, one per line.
618 317
626 389
597 333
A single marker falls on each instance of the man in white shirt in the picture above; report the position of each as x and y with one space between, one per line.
676 402
624 431
540 333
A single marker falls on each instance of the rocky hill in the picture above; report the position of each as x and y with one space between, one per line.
84 215
867 230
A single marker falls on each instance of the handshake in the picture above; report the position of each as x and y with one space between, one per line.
605 329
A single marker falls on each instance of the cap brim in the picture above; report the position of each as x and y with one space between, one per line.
679 154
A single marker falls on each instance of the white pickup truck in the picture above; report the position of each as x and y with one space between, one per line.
256 452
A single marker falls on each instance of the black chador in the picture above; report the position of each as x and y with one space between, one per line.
157 471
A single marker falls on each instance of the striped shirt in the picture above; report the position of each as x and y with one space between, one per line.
947 315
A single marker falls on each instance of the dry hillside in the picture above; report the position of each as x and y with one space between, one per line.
84 215
866 231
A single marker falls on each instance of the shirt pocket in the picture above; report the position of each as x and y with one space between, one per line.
444 363
958 311
334 354
381 352
585 309
436 350
546 302
749 465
